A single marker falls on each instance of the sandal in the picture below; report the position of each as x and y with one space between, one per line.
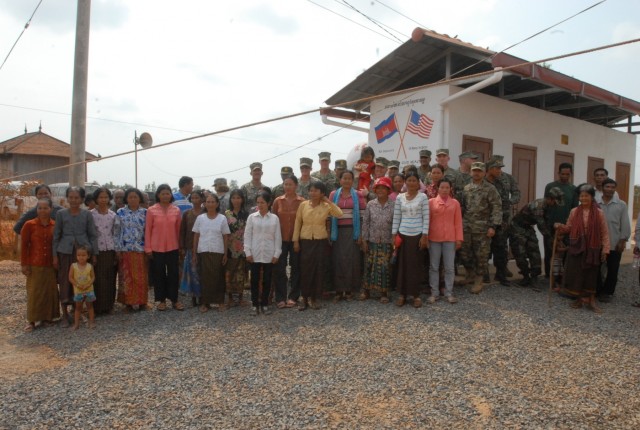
290 303
364 296
384 300
577 304
161 306
204 309
417 302
596 309
178 306
401 301
302 305
281 305
29 328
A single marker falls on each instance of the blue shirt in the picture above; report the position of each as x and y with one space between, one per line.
182 202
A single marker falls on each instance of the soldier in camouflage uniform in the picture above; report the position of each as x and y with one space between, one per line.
325 174
464 172
442 158
424 171
481 217
278 190
339 167
305 180
524 244
394 168
499 247
251 189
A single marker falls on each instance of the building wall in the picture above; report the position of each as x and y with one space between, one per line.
31 163
509 123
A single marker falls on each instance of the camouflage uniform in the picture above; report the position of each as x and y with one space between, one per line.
524 242
499 247
482 209
330 180
277 191
250 193
462 180
424 175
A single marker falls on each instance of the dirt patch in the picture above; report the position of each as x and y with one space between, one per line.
483 407
19 361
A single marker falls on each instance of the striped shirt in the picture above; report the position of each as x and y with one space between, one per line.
411 217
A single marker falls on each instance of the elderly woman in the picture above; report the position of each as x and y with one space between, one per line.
377 241
345 236
588 248
310 239
37 265
190 281
162 232
106 266
411 224
445 238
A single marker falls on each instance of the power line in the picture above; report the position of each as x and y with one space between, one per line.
343 104
349 19
20 35
380 25
402 15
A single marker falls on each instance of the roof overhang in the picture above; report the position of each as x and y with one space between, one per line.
430 57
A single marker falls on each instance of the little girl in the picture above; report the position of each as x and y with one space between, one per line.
81 276
365 167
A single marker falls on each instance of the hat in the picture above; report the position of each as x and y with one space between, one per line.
425 153
442 151
496 161
557 194
341 164
394 163
477 166
469 154
255 166
381 161
286 170
324 156
384 181
219 181
304 161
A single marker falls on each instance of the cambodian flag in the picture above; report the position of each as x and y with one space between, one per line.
386 128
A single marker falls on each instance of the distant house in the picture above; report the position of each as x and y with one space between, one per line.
535 116
33 152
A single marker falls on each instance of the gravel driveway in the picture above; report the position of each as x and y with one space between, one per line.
503 359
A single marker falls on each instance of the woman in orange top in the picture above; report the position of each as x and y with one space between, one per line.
445 238
37 265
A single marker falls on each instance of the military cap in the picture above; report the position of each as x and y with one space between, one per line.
324 156
255 166
557 194
496 161
341 164
219 181
469 154
442 151
304 161
425 153
381 161
394 163
477 166
286 170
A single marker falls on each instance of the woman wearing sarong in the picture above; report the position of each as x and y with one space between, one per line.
209 252
236 267
106 265
190 282
346 258
310 239
129 241
411 224
588 248
377 242
36 259
74 226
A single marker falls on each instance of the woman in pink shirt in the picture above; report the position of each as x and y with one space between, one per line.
445 237
162 232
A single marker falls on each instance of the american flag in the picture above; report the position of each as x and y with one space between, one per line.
419 124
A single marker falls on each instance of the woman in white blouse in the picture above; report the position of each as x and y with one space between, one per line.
262 246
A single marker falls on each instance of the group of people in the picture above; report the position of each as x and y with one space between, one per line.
361 233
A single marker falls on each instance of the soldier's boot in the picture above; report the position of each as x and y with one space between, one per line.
508 273
501 277
477 285
485 276
470 276
525 281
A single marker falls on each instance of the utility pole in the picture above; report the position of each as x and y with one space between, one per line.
77 174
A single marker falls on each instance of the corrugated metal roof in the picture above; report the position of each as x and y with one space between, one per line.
430 57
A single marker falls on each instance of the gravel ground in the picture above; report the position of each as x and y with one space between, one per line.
503 359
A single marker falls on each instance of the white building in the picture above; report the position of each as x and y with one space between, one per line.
536 117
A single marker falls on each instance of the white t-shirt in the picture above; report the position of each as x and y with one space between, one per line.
211 231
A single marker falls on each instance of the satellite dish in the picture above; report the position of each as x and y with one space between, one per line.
145 140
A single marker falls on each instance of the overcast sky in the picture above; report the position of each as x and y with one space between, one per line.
177 69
